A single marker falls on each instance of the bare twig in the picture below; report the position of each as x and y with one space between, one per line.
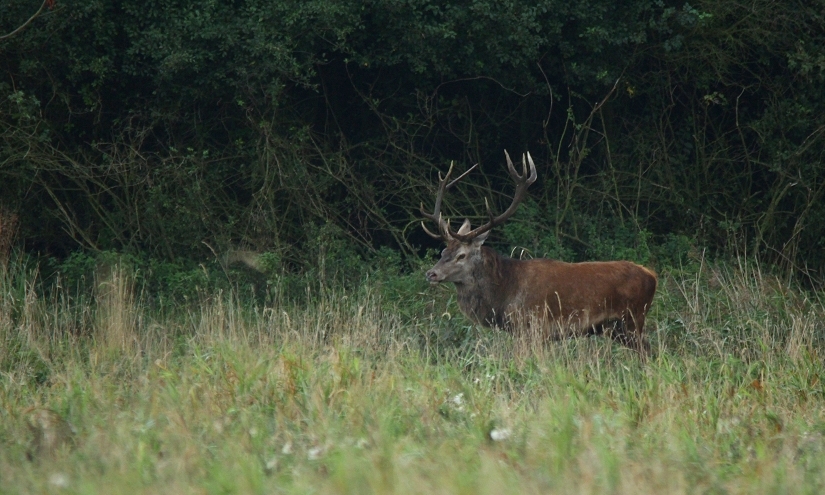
35 16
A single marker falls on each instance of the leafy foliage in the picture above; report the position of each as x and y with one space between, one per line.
175 130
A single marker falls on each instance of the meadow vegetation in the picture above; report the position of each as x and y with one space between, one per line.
385 388
211 262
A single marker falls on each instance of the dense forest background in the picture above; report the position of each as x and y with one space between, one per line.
176 131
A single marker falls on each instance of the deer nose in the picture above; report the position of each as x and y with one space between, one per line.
432 276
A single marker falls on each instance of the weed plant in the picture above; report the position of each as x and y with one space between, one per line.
387 389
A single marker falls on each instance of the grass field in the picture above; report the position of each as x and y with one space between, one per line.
354 393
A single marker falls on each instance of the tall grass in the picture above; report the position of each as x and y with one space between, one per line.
347 393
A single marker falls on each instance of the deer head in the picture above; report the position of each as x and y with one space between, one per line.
463 251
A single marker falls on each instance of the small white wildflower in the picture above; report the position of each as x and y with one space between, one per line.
727 425
810 442
287 448
458 400
315 453
500 434
271 464
60 480
253 432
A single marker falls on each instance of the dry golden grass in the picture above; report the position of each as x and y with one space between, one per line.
341 395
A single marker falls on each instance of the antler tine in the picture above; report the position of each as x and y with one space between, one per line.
435 216
533 173
522 181
442 186
515 175
489 210
510 167
434 236
451 184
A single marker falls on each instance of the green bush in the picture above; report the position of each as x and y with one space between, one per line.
166 130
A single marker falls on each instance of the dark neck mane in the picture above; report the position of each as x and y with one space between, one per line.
480 300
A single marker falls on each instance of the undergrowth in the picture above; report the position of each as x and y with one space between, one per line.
386 388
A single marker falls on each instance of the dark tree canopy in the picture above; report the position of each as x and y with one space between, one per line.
163 126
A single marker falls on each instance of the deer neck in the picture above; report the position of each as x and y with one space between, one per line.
480 298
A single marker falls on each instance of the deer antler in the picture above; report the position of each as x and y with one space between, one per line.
436 214
522 181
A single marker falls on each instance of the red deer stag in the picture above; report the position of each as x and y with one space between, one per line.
575 299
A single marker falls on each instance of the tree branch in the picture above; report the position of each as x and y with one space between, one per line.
36 14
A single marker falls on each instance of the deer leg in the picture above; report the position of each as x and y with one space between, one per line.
628 332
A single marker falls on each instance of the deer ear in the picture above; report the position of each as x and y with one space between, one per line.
478 241
465 227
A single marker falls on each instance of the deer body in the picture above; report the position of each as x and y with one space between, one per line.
562 299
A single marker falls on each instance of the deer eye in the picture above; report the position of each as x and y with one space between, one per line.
460 257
